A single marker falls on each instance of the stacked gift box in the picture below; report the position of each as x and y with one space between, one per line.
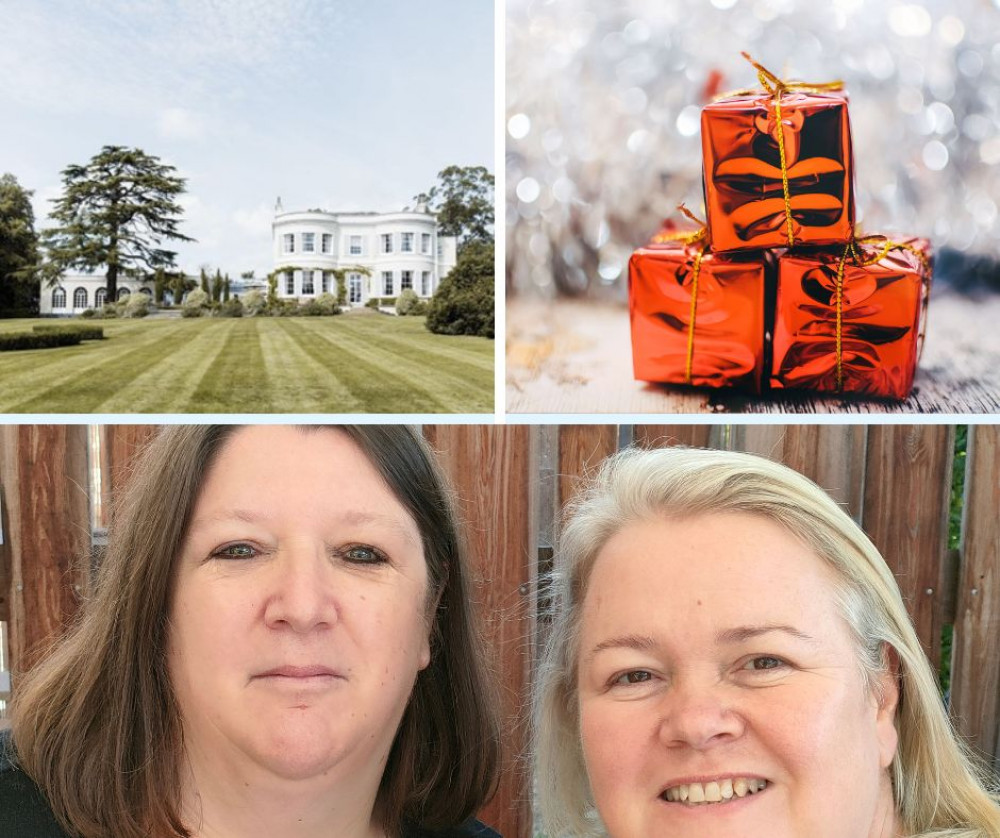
776 290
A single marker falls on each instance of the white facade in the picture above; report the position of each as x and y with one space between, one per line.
400 250
75 293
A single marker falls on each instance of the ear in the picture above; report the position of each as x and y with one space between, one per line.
887 695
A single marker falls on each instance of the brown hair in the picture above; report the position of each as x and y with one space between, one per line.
96 724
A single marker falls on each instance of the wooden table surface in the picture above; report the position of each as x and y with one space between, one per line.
574 356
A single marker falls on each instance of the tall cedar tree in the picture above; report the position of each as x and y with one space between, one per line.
115 212
462 200
18 246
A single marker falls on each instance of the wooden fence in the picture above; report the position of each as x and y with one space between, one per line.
511 482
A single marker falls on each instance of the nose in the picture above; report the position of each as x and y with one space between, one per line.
300 593
699 715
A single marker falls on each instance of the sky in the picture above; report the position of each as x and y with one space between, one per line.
332 104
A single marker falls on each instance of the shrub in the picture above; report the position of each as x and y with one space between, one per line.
134 305
254 302
387 302
328 303
192 311
231 308
85 332
195 303
372 302
311 308
109 311
464 303
87 313
406 301
37 340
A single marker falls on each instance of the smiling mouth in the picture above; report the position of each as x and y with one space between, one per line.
714 792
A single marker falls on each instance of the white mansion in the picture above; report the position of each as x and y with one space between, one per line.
75 293
394 251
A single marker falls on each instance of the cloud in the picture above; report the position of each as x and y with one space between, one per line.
181 124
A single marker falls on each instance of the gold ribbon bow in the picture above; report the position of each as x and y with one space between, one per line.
700 238
776 88
863 261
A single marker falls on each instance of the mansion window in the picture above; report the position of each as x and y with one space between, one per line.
355 246
123 293
406 280
327 242
326 282
308 242
387 242
289 282
80 298
406 243
100 297
59 298
425 284
386 284
289 240
425 243
307 281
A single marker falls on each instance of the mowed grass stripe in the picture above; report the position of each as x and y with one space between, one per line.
236 380
416 342
171 379
459 386
373 378
79 378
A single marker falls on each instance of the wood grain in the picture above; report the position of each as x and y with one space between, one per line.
833 456
581 450
976 668
575 357
120 445
44 475
489 466
660 436
907 489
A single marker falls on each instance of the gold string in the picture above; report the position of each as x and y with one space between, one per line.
694 311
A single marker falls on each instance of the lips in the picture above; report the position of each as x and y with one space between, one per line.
299 673
713 792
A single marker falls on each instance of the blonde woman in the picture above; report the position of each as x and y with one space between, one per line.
731 656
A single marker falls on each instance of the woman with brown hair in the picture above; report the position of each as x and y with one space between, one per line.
279 643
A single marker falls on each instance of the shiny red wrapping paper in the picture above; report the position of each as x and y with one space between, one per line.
882 311
727 349
744 195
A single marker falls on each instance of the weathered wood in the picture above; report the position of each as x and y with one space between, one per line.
581 450
44 475
660 436
575 356
489 467
120 445
831 455
975 700
907 489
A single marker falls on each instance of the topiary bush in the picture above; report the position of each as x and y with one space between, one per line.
328 303
406 302
84 331
372 302
195 303
37 340
254 302
134 305
464 302
230 308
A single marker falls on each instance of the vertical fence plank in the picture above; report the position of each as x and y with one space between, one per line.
660 436
833 456
490 469
907 491
976 662
43 471
120 445
581 450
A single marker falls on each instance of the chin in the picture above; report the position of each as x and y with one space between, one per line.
300 751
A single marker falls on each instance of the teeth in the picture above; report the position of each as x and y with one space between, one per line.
715 791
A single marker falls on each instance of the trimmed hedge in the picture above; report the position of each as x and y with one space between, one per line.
37 340
85 332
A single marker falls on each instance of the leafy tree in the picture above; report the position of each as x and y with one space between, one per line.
217 283
115 212
204 282
159 285
464 303
18 246
462 200
179 286
225 289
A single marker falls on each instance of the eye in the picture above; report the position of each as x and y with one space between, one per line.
635 676
362 554
762 663
239 550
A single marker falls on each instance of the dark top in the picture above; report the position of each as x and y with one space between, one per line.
24 812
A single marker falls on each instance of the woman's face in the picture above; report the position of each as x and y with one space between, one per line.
720 693
298 621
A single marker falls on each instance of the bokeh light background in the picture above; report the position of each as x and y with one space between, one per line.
603 122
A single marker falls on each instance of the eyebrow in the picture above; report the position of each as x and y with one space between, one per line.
639 642
350 517
740 634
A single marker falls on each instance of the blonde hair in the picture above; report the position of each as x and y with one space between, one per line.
937 789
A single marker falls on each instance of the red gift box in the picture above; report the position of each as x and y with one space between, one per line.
851 321
697 318
766 187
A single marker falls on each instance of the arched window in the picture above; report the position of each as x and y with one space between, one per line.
80 298
100 297
59 298
123 292
147 292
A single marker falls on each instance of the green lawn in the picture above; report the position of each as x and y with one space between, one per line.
348 364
